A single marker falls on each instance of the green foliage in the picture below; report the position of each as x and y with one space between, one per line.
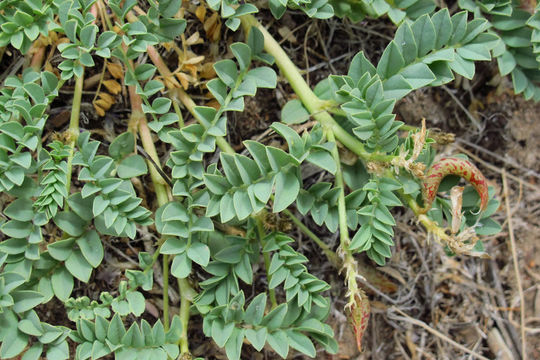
23 21
26 99
320 200
112 201
377 222
232 10
101 337
231 260
320 9
517 50
287 267
398 11
285 327
54 190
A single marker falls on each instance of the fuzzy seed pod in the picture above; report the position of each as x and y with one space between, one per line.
358 313
453 166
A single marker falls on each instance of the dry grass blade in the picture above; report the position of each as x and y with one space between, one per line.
509 161
496 169
440 335
464 109
516 266
498 346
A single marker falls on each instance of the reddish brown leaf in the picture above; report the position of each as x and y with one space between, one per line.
453 166
358 314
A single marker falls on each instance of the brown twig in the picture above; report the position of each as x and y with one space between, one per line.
496 169
516 266
508 160
436 333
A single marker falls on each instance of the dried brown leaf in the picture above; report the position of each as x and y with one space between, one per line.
169 82
184 79
99 110
287 34
62 40
456 198
212 27
193 70
213 103
194 39
103 104
106 97
115 70
200 13
194 60
207 71
113 86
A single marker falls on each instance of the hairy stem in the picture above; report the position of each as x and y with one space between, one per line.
349 263
73 131
260 231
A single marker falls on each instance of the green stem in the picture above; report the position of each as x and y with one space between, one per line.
287 67
179 113
342 210
165 292
187 293
330 255
349 263
162 194
315 106
73 130
260 231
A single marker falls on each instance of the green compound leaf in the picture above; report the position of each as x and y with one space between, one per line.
132 166
122 145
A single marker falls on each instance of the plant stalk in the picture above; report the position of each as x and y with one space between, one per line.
349 263
73 131
266 256
162 193
315 106
37 59
330 255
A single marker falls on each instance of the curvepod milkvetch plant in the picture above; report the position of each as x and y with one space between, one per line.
209 226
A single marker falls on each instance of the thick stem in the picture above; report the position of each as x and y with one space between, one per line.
76 108
313 104
187 294
138 121
73 131
165 294
349 263
37 58
162 190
